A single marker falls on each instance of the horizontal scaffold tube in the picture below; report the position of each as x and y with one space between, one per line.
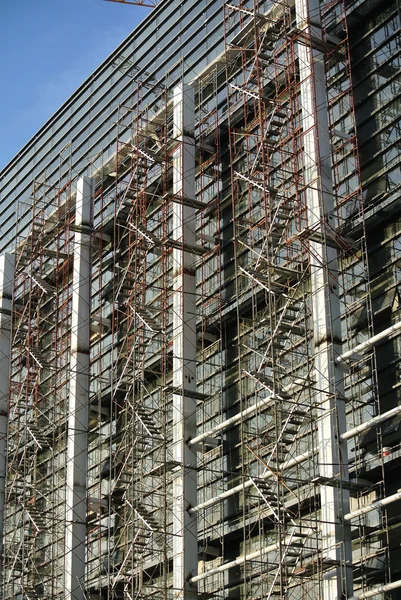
360 348
378 590
243 486
371 423
373 506
252 556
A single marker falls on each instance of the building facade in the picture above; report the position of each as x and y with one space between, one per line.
199 319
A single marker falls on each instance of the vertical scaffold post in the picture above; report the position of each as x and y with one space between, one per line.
333 461
78 406
6 290
185 546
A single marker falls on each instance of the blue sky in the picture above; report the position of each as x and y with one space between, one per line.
48 48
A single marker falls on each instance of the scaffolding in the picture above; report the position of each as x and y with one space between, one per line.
35 498
194 400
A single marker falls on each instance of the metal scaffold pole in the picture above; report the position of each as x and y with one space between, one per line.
185 545
77 446
333 463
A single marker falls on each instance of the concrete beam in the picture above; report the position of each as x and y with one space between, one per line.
78 406
336 536
185 543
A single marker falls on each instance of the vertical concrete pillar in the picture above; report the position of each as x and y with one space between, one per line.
78 404
333 461
185 545
6 291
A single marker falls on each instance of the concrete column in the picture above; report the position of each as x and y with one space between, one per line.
185 545
336 537
6 291
77 446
